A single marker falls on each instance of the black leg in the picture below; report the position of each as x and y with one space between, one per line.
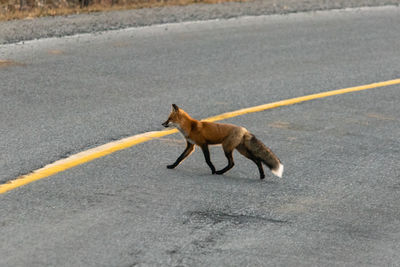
260 168
229 156
188 150
259 165
245 152
206 153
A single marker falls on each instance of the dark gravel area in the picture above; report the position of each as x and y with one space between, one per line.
22 30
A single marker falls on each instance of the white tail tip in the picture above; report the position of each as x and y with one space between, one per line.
278 172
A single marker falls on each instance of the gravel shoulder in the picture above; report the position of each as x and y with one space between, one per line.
23 30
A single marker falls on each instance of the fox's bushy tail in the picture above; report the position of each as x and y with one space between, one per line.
263 153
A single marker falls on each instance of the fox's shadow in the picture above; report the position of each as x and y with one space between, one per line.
254 179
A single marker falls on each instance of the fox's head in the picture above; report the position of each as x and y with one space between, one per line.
174 117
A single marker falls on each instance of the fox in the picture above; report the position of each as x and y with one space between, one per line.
230 136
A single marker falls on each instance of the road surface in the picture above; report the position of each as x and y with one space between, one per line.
337 204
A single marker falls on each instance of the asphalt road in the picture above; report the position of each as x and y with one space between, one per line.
28 29
338 203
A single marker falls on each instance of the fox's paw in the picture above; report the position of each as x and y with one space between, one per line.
171 166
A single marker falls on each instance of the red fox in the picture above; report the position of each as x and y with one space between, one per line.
231 137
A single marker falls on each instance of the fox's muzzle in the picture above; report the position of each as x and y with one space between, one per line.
166 124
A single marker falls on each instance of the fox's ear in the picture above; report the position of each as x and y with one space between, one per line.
175 107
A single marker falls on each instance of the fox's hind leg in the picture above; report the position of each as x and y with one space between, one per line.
229 156
260 167
188 150
242 150
228 146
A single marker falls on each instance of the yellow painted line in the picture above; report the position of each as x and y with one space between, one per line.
300 99
109 148
82 157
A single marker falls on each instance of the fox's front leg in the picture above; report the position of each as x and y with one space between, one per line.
188 150
206 153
